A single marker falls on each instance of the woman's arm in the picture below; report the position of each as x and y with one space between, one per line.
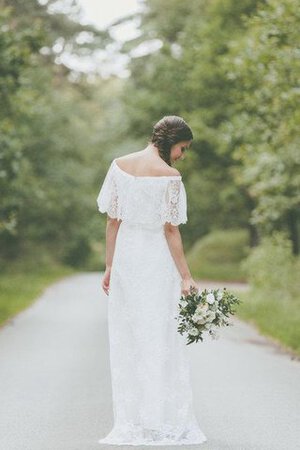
112 227
174 240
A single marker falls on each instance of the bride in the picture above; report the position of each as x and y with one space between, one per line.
146 273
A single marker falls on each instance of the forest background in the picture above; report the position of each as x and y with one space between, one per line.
230 69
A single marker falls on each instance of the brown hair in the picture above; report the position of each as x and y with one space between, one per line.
167 132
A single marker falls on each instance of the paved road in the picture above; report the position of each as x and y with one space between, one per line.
55 379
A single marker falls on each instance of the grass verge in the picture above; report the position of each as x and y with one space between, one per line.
218 256
279 320
20 287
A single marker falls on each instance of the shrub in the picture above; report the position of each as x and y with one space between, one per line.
77 252
219 254
271 267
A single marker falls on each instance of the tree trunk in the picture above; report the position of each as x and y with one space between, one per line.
292 220
253 235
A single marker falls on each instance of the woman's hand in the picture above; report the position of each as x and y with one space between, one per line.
187 285
106 280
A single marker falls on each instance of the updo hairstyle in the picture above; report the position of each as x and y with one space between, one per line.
167 132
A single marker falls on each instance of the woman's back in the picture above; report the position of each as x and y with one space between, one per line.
152 397
142 199
142 164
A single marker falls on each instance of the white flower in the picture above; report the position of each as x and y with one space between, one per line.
220 295
220 314
202 321
198 315
194 332
210 298
211 315
202 308
214 306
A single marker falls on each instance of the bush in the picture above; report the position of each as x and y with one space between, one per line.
271 267
77 252
273 302
218 255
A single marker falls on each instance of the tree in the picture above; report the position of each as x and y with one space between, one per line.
263 130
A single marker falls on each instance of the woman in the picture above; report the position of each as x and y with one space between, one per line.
146 273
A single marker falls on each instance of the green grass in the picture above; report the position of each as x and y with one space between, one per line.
218 255
278 319
22 285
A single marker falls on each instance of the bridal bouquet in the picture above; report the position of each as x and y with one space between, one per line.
204 312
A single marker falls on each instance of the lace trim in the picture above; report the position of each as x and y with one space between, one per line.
132 434
175 211
148 202
174 200
108 198
113 207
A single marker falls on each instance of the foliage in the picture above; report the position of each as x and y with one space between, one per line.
272 268
204 312
77 252
21 286
263 130
219 254
273 302
279 320
231 70
51 130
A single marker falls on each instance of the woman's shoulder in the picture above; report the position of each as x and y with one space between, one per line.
133 161
171 171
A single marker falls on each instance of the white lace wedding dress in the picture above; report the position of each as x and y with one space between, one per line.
152 396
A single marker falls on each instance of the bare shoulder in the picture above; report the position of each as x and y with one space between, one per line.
129 156
136 162
163 169
170 171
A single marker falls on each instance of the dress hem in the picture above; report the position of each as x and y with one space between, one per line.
112 442
196 437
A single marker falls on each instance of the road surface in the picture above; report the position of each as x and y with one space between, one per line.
55 379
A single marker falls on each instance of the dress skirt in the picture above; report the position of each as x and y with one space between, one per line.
151 388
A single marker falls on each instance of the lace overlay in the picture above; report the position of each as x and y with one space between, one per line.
143 200
151 390
175 203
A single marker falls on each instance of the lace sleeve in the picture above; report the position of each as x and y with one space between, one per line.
107 199
174 207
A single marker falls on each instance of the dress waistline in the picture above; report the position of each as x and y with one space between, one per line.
142 226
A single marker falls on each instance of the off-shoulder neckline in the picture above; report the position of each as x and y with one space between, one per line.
174 177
